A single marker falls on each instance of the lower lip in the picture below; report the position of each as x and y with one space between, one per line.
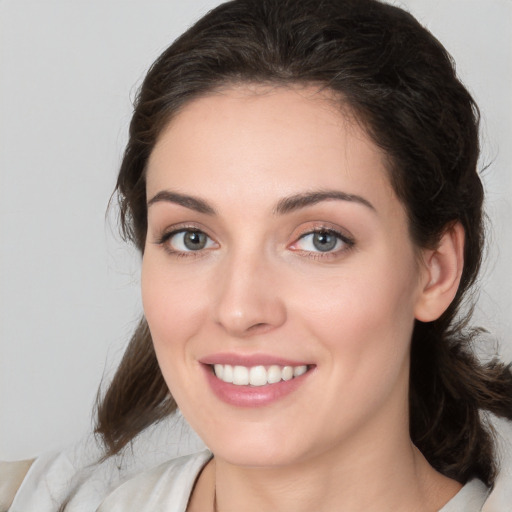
252 396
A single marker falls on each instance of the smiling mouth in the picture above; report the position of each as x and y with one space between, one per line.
257 375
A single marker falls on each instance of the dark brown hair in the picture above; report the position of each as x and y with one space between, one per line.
401 84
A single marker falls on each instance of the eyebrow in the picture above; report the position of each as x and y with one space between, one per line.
192 203
298 201
284 206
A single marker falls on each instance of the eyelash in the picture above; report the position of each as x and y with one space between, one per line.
347 243
165 238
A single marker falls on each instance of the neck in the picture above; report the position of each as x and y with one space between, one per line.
374 467
380 476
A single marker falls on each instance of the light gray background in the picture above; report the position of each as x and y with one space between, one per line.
68 287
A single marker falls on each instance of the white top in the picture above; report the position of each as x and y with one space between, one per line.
156 472
167 488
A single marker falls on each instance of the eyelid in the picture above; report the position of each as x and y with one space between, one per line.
164 237
347 240
162 232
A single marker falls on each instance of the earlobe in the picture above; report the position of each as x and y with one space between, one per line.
442 272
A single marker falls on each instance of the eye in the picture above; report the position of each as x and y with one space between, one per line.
187 240
323 241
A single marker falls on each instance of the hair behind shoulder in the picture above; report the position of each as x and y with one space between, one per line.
401 84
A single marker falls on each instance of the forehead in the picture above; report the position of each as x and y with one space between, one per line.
282 140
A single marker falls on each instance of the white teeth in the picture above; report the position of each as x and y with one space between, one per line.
257 375
219 370
240 375
227 373
299 370
274 374
287 373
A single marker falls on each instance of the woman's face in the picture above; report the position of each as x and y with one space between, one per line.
275 240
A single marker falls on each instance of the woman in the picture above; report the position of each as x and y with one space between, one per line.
301 180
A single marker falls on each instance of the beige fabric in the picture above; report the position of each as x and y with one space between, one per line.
11 477
54 475
167 488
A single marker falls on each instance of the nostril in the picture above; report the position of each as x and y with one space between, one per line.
261 327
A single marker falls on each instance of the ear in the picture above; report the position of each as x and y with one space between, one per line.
442 269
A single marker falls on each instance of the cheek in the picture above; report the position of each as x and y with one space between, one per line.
365 335
174 317
173 309
361 302
364 319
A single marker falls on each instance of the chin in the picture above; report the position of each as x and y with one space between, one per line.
254 456
257 446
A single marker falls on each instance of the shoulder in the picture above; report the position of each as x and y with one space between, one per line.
81 477
165 487
12 475
471 498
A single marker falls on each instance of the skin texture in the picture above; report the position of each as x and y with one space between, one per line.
260 286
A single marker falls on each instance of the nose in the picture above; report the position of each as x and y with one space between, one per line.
248 299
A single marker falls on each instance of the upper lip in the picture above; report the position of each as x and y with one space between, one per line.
250 360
